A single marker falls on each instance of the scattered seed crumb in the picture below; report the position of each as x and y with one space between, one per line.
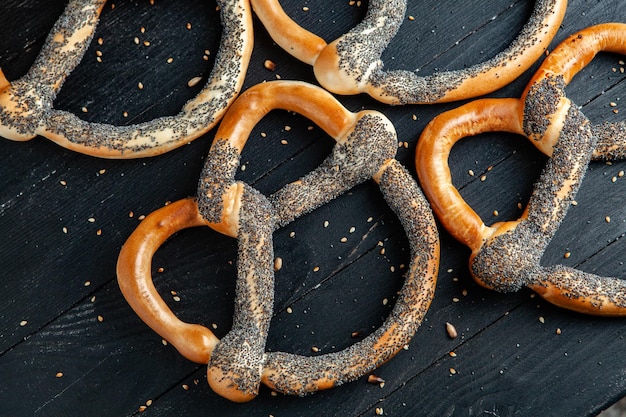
411 18
93 299
84 109
379 411
483 178
315 349
574 203
567 255
146 43
284 142
188 26
23 323
607 219
142 408
317 268
140 85
343 239
160 269
176 298
385 301
452 371
452 354
289 310
326 223
149 403
63 183
164 342
169 60
263 134
471 173
87 283
370 219
305 9
185 387
100 319
542 320
59 375
495 213
455 300
99 232
64 229
558 330
292 234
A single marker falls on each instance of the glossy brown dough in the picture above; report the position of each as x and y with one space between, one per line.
507 255
352 64
26 104
365 148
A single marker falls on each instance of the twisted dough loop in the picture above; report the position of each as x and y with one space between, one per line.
26 104
352 64
507 255
365 148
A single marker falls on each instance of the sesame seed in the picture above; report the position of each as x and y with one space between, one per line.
289 310
566 255
471 173
100 319
542 320
59 374
164 342
343 239
326 223
453 371
23 323
188 26
87 283
269 65
136 40
84 109
607 219
451 330
194 81
452 354
317 268
352 229
278 263
305 9
385 301
169 60
185 387
63 183
140 85
379 411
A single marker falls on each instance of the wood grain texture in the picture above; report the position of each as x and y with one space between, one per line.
64 217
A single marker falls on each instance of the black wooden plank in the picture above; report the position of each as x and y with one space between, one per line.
114 366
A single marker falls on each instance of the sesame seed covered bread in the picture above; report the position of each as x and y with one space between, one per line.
506 256
365 148
26 104
352 63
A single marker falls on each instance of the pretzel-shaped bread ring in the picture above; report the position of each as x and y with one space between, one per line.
365 148
352 64
506 256
26 104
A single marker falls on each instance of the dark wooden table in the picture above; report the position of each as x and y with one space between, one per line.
71 346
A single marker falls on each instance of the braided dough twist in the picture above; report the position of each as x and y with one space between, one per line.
26 104
365 148
352 64
507 255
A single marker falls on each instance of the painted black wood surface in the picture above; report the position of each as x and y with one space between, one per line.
69 343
